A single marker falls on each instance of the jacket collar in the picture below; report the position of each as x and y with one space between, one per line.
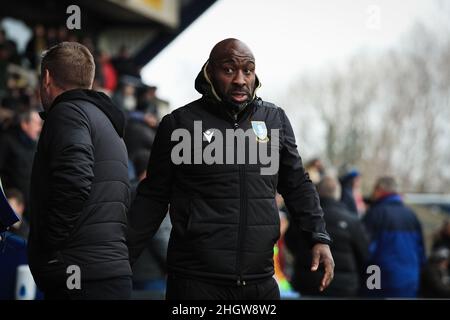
389 198
99 99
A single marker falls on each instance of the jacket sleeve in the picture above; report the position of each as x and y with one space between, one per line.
297 189
151 203
71 161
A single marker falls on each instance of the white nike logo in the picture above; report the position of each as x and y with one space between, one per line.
208 134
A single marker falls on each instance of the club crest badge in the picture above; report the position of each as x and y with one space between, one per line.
260 130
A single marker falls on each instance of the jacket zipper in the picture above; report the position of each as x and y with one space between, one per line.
242 217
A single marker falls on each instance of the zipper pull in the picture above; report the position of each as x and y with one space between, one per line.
240 283
236 125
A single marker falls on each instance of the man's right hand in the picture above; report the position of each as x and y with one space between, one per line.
321 254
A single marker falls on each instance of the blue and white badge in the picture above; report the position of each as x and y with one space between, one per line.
260 129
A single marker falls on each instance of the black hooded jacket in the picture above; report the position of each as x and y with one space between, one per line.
80 191
349 248
224 216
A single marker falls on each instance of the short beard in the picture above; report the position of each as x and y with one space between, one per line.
234 107
237 107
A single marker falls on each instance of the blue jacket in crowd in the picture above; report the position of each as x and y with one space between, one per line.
396 246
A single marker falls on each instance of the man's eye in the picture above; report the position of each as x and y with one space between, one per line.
228 70
248 71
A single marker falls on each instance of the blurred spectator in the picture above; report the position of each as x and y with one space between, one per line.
124 64
88 42
6 118
150 270
442 238
148 105
4 61
17 97
17 203
435 276
279 253
349 248
396 242
17 149
148 101
72 37
108 73
13 253
62 34
125 96
11 47
138 136
315 169
36 45
141 127
52 38
350 181
2 36
140 164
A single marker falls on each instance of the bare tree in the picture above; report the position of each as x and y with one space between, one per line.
387 113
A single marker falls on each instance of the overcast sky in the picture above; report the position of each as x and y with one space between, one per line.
287 37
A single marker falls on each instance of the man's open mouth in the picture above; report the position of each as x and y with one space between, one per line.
239 96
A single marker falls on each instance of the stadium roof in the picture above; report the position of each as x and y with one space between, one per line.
163 19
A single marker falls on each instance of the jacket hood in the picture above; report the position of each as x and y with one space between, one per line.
205 87
101 101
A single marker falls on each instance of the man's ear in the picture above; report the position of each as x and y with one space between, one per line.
46 78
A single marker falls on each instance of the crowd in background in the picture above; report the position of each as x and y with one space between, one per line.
379 231
20 124
118 76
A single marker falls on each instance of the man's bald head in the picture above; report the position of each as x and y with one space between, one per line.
228 48
231 69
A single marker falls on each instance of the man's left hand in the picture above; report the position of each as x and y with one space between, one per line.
321 254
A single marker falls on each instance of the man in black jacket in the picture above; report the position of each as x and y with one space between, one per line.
80 190
350 248
222 196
